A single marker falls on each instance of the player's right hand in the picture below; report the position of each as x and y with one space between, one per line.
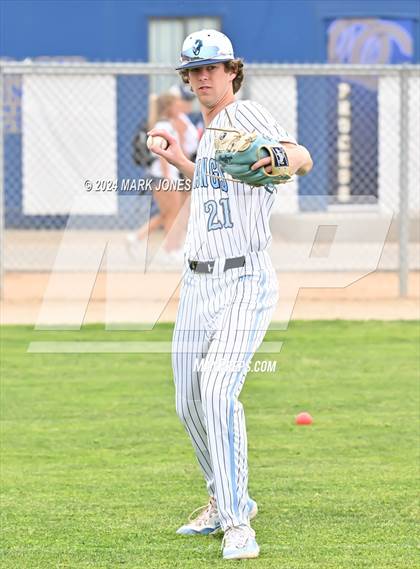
173 152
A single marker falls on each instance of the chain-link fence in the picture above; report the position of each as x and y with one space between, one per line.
70 124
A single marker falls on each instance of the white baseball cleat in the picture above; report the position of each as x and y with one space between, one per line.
239 543
207 521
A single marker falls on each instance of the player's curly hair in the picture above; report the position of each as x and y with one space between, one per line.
235 65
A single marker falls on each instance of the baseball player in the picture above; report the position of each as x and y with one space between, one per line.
229 289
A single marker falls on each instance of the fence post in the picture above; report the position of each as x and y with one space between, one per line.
403 217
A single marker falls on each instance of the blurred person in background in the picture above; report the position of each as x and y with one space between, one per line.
166 111
191 132
192 119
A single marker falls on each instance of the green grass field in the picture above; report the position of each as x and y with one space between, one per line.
97 470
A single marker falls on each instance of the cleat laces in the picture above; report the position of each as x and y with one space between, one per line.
208 512
237 537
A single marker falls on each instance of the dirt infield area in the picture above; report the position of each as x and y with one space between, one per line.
76 298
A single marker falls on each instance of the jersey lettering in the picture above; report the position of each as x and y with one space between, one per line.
208 169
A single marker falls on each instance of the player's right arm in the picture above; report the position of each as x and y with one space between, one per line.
173 153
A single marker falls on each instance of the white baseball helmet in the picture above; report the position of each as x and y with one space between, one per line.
204 48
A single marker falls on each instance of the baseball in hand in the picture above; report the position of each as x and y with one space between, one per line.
157 141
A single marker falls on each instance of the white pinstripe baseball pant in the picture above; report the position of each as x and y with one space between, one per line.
222 318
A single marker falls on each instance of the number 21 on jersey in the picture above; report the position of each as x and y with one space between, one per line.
216 221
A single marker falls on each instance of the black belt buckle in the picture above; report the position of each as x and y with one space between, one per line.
201 266
193 265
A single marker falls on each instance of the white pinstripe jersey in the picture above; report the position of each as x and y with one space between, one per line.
229 219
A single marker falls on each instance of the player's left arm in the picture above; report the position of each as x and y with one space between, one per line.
299 158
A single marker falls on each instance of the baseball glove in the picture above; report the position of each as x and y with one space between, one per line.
237 151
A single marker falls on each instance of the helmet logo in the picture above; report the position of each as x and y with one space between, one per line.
197 47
